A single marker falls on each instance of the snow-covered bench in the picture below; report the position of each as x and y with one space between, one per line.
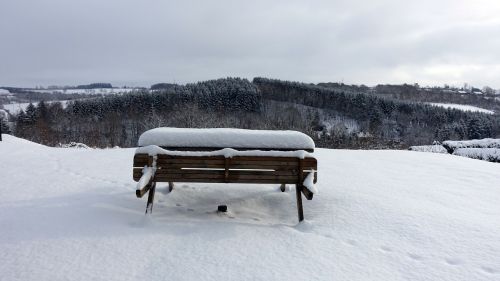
225 156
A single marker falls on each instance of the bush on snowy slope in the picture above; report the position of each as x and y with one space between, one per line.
436 148
73 145
488 154
451 146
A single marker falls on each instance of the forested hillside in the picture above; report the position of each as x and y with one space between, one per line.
467 95
338 117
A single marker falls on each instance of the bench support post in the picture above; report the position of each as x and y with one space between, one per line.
298 193
170 186
283 187
151 197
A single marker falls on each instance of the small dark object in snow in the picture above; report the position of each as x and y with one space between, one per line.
222 208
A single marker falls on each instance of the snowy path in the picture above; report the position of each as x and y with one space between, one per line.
68 214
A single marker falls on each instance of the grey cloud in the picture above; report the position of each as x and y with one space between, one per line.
143 42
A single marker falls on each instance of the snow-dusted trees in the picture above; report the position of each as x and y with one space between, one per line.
362 119
387 120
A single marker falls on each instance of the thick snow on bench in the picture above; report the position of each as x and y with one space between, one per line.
226 138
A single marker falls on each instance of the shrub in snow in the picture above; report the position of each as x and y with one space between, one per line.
429 148
73 145
451 146
488 154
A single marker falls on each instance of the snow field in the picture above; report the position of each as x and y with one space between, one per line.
380 215
463 107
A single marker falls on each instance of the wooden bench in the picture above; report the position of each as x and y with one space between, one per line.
150 169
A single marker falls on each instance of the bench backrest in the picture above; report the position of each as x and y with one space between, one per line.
218 169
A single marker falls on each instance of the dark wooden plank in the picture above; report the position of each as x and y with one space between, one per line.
190 161
275 162
307 193
298 192
221 176
238 165
161 178
141 160
271 158
137 172
151 198
298 195
230 172
235 148
165 157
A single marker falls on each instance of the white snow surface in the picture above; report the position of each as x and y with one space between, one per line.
15 108
309 183
226 137
95 91
463 107
70 214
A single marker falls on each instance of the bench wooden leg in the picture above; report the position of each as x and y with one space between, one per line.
151 198
283 187
170 186
298 193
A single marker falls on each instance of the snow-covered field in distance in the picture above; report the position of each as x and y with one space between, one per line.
72 214
15 108
463 107
96 91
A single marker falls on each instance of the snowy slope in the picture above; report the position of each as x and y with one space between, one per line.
96 91
15 108
70 214
463 107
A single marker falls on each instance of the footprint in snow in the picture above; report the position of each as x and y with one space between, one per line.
488 269
190 210
185 186
415 257
352 242
453 261
386 249
178 205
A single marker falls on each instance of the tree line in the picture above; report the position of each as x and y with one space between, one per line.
362 120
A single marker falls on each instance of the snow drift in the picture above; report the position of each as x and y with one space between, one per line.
382 215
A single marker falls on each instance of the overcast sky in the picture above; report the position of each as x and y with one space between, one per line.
140 42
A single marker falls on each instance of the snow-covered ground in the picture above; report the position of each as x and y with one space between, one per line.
15 108
96 91
72 214
463 107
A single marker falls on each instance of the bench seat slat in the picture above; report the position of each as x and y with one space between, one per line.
221 180
142 159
